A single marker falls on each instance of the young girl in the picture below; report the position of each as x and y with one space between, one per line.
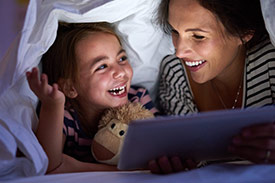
87 71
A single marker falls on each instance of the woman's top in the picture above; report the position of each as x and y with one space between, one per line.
175 96
78 143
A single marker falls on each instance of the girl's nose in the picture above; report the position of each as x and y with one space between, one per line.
118 71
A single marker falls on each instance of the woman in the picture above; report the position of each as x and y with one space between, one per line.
223 60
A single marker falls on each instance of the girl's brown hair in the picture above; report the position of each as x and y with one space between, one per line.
59 62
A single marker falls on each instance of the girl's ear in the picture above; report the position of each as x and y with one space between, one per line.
67 88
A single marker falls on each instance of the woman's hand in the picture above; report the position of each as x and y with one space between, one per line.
165 165
45 92
256 143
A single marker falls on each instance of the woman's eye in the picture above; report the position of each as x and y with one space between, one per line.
198 37
174 32
101 67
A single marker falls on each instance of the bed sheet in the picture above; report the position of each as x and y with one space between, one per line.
211 174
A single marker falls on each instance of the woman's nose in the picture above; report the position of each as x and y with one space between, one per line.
182 47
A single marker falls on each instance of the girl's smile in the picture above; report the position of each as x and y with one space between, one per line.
105 76
119 91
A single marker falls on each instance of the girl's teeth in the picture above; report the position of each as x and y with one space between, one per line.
196 63
118 90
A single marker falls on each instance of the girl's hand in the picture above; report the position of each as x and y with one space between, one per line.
46 93
165 165
256 143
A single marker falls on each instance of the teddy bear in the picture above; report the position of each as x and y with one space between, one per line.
112 128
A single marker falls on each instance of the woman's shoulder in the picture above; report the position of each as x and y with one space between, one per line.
260 71
263 51
170 60
261 59
170 66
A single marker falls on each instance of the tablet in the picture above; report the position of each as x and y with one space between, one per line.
203 137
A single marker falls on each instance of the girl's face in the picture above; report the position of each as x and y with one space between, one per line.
104 72
201 41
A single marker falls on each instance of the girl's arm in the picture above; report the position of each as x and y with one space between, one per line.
70 164
49 132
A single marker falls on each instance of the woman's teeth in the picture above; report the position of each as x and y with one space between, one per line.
194 63
118 90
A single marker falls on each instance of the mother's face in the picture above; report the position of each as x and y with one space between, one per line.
201 41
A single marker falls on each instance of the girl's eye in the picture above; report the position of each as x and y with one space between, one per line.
101 67
198 37
123 58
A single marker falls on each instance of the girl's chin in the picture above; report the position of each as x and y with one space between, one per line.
120 103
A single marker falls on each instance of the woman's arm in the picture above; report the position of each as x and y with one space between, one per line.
49 132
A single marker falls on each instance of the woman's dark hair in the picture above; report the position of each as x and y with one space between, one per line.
239 17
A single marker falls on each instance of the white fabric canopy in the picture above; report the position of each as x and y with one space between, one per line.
268 7
145 44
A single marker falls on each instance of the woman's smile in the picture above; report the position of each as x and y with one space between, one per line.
194 65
